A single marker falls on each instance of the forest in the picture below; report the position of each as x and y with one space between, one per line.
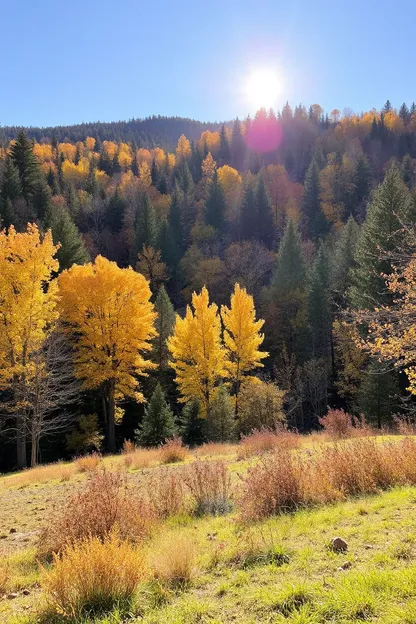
166 277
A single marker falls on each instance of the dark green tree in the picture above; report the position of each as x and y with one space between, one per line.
378 395
158 423
164 326
319 307
407 169
317 225
224 154
41 199
248 221
10 191
175 220
146 225
220 422
192 425
64 231
91 182
264 216
21 153
342 261
116 207
362 187
237 147
215 206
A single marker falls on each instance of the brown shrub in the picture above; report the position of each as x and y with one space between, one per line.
404 426
92 576
88 462
103 503
173 561
215 449
339 424
265 440
209 486
128 447
271 486
142 458
166 492
173 451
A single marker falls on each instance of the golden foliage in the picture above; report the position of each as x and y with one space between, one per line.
198 357
183 148
151 266
109 314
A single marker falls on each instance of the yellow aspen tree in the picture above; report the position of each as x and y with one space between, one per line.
242 338
197 353
109 315
183 148
28 311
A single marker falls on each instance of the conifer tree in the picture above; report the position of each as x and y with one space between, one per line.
184 178
362 187
158 423
146 226
91 182
317 223
264 216
41 199
115 212
237 147
248 221
407 169
220 423
224 153
192 425
378 395
10 191
343 261
175 218
21 153
381 233
164 324
65 232
215 207
319 307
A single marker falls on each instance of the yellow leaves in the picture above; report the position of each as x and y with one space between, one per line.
210 141
28 297
208 167
43 152
68 150
90 144
242 335
108 312
145 175
183 148
198 357
230 182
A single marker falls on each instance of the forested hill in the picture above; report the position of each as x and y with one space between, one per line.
155 131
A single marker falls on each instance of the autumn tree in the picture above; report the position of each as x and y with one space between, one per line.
28 300
197 355
151 266
242 339
109 316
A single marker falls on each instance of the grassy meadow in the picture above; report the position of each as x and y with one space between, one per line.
224 533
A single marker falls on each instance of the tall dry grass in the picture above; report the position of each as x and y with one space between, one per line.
339 424
103 503
265 440
173 561
209 486
59 471
166 492
173 451
92 576
283 481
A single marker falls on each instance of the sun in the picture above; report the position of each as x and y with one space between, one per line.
263 88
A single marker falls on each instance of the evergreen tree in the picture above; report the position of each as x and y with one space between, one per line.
91 182
378 395
64 231
170 252
248 221
382 232
404 114
387 107
215 207
195 163
237 147
175 218
154 173
343 261
10 191
41 199
317 223
192 425
264 216
105 163
319 307
116 164
134 164
407 171
164 326
362 186
224 153
21 153
146 226
286 299
116 207
158 423
220 423
184 178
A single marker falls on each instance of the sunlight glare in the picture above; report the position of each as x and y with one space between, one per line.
263 88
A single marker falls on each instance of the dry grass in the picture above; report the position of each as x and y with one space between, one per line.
173 451
209 486
282 481
265 440
166 493
59 471
339 424
93 576
174 560
215 449
103 503
87 463
4 578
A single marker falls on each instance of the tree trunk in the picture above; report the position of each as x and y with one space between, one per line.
21 442
111 408
34 451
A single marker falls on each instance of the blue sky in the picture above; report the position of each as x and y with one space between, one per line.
67 62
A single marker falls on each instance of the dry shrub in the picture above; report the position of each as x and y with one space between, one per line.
166 493
87 463
209 486
339 424
404 426
174 561
215 449
103 503
92 576
265 440
282 482
142 458
173 451
128 447
271 486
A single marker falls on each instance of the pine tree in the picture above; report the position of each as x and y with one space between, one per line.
237 147
407 169
404 113
286 298
10 191
115 212
381 233
91 182
387 107
21 153
158 422
175 218
248 222
192 427
184 178
378 395
362 187
317 224
41 199
164 324
215 207
220 423
264 216
146 226
319 307
343 261
64 231
224 153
